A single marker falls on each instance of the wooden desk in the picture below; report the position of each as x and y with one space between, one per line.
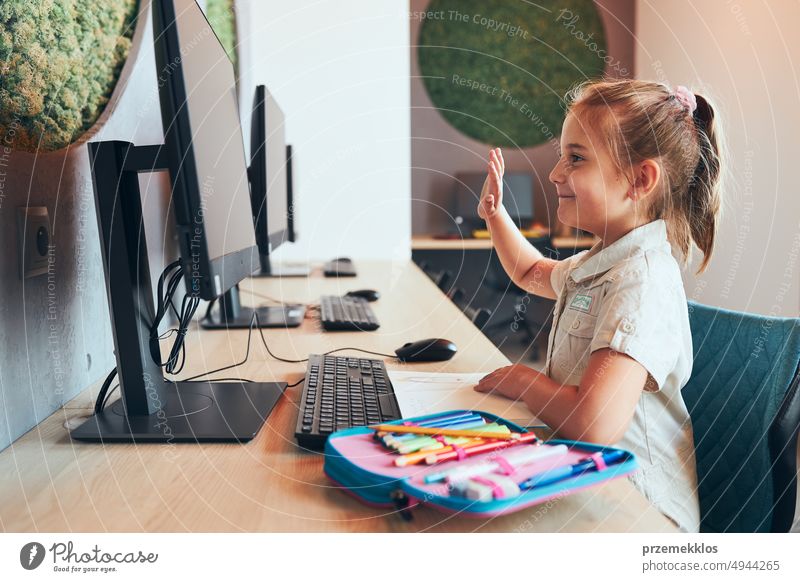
429 243
50 483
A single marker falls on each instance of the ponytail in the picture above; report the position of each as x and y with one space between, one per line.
704 196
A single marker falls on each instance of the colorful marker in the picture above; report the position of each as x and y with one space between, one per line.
510 436
528 437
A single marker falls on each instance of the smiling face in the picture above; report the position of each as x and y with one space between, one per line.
592 193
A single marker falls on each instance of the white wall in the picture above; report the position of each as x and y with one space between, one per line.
745 53
339 70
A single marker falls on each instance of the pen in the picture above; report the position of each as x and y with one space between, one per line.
561 473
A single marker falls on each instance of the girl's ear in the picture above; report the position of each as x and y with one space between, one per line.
645 179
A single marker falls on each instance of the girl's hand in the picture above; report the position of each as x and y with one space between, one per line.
492 193
510 381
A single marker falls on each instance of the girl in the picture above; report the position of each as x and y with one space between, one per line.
639 168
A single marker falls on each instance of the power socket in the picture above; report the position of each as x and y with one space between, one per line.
33 236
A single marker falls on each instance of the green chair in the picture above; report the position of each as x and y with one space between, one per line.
744 401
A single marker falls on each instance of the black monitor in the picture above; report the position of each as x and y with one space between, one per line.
271 188
517 197
290 193
204 144
204 154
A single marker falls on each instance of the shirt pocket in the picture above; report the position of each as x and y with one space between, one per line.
579 330
582 326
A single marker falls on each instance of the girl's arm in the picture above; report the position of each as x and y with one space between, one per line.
525 265
597 410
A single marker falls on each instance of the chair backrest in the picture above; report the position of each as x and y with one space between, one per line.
480 316
744 401
477 315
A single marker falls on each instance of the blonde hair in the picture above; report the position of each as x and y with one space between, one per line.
645 120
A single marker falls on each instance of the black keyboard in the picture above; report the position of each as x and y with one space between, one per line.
346 314
341 392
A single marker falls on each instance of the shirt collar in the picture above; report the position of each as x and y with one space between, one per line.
597 261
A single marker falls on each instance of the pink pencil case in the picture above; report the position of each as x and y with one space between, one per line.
364 468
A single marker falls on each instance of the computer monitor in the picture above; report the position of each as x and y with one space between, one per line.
271 190
517 197
290 192
204 154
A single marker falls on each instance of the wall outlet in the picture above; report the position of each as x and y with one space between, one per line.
33 235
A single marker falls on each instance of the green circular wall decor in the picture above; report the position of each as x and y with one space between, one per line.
222 17
59 63
498 71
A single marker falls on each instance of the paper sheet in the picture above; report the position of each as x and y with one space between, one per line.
421 393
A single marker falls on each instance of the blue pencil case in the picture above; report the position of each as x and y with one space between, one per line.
365 468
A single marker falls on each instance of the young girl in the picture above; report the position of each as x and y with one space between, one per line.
639 168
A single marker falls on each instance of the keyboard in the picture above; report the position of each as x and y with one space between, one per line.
346 314
342 392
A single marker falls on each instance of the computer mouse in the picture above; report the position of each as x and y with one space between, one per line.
427 350
368 294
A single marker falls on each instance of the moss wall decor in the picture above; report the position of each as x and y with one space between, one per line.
59 63
221 16
498 71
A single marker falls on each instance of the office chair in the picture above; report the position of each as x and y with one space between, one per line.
498 281
744 401
442 279
479 316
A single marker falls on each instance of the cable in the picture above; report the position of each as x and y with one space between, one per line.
172 275
361 350
300 381
103 395
177 355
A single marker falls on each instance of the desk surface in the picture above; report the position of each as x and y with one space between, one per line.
50 483
429 243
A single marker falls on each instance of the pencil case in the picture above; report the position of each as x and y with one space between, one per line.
363 468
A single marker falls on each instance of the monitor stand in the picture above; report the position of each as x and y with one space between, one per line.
151 409
231 314
281 269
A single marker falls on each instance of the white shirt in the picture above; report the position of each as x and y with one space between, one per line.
629 297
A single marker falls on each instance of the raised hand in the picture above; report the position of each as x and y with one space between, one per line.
492 193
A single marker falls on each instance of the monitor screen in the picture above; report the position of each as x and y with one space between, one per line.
269 172
277 205
517 196
203 138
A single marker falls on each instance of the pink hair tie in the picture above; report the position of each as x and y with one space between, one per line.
686 98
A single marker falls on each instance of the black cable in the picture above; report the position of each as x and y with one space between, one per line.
211 303
361 350
103 394
234 365
172 275
300 381
177 355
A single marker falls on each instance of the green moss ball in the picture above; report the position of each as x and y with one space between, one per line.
498 71
59 63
